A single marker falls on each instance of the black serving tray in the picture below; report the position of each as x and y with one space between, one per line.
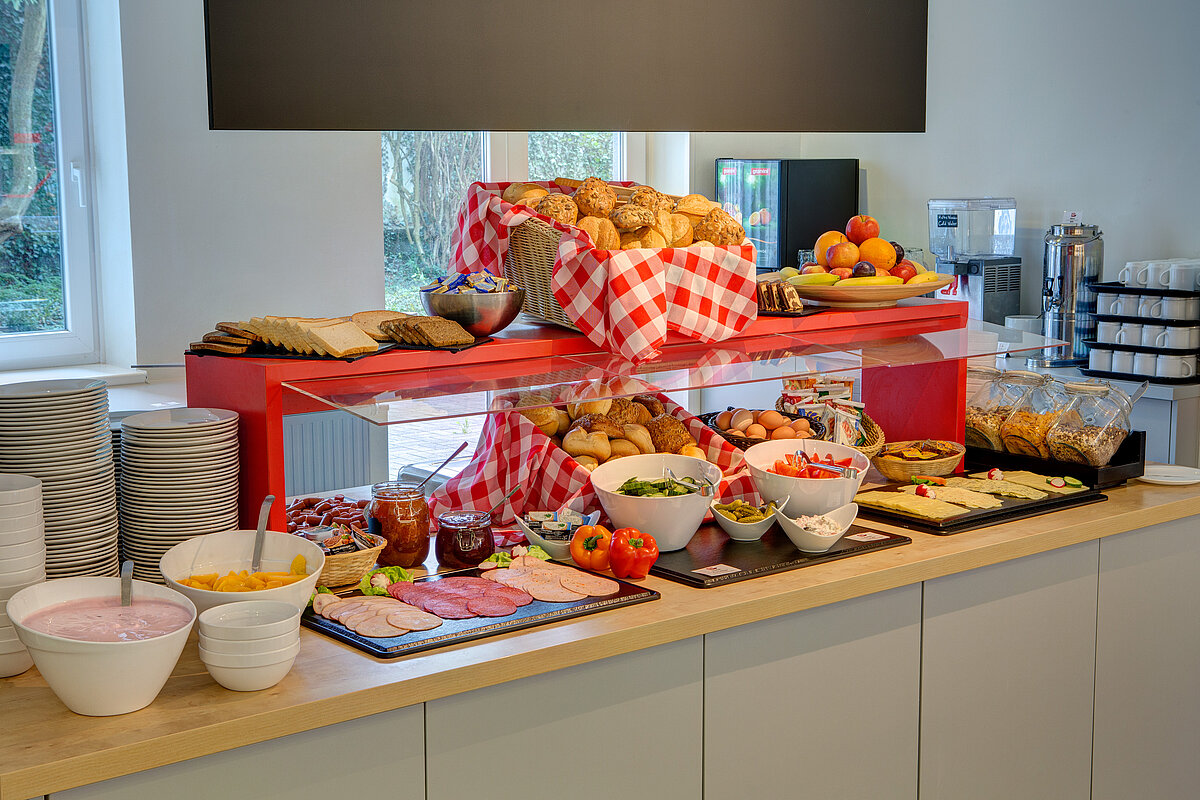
455 631
257 350
1113 287
727 561
1128 462
1137 348
1170 323
1011 508
1129 376
807 311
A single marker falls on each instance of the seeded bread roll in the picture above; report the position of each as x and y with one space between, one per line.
626 412
599 422
558 207
668 434
652 199
595 198
629 217
720 229
652 404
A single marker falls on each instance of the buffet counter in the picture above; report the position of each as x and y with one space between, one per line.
45 749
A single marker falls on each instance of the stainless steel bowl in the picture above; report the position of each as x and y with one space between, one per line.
480 314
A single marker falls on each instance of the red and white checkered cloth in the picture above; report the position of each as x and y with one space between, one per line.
624 301
513 452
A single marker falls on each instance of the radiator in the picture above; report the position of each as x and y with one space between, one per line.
329 450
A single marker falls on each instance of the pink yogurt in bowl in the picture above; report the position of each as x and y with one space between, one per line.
98 658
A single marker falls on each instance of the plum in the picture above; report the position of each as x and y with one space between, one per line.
863 269
899 252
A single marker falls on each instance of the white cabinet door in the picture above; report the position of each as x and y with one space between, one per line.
821 703
625 727
377 756
1147 741
1006 679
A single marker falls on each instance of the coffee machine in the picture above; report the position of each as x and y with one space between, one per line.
973 240
1071 263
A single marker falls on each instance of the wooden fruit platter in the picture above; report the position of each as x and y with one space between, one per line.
863 296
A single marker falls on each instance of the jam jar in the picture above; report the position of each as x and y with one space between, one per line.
464 538
1093 425
398 512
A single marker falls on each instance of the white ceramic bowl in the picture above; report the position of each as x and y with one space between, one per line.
264 659
15 663
807 495
32 547
248 646
99 679
672 521
20 578
8 634
14 528
557 550
250 679
19 489
252 619
742 531
9 646
232 550
22 564
809 542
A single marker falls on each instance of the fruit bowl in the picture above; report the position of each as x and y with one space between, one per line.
860 296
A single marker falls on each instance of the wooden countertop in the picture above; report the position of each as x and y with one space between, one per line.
45 748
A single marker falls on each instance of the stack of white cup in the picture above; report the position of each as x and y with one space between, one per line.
251 644
22 559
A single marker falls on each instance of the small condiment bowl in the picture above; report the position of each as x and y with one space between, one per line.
560 551
18 530
253 619
249 646
19 489
808 542
264 659
743 531
22 564
20 578
250 679
32 547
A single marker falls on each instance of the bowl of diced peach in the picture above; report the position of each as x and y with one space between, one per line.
216 568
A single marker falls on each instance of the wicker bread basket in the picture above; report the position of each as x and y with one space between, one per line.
532 249
895 469
344 569
872 434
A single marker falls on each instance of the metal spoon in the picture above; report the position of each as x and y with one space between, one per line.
845 472
127 583
260 534
444 463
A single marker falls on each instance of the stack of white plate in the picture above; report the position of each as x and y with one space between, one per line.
58 431
22 559
179 479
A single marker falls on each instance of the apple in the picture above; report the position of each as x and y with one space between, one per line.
812 269
904 269
861 227
810 264
842 272
842 254
863 269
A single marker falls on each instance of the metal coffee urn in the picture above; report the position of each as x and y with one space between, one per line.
1071 262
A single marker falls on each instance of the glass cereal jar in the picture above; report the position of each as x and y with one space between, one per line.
990 405
398 512
1092 426
1024 430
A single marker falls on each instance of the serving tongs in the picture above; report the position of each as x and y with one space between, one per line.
843 472
703 485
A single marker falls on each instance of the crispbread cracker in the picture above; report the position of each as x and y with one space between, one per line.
1034 481
960 497
1003 488
909 504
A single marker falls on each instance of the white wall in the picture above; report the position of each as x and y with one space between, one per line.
1093 107
228 225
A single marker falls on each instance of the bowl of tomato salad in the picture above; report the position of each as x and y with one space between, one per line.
780 475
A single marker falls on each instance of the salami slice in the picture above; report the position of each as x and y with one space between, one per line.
378 627
517 596
460 580
414 620
449 608
592 585
485 606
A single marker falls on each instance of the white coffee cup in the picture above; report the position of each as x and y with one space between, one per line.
1175 338
1130 333
1145 363
1106 303
1176 308
1100 360
1146 306
1150 335
1126 305
1122 361
1107 332
1129 274
1158 274
1175 366
1184 276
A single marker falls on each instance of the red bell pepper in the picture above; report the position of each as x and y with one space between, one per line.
590 547
632 553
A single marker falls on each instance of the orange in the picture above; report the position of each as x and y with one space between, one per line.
825 241
878 252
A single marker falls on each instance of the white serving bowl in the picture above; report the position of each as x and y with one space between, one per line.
264 659
19 489
22 564
807 495
32 547
252 619
248 646
25 509
560 551
808 542
232 550
14 529
742 531
15 663
672 521
20 578
8 634
9 646
99 679
250 679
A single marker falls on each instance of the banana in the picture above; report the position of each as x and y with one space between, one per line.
920 268
877 280
926 277
813 279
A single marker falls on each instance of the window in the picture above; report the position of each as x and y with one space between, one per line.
46 303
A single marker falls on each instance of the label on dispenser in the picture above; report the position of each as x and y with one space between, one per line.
947 220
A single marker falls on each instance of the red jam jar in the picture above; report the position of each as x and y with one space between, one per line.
398 512
464 538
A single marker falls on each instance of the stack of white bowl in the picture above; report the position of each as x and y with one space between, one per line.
58 431
22 559
179 479
250 645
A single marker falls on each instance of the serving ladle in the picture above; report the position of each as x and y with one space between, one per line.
127 583
844 472
703 485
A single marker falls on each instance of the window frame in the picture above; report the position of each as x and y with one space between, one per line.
506 155
80 342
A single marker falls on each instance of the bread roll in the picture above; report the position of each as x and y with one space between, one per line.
603 232
695 207
595 198
693 451
642 237
681 230
652 404
629 217
598 422
558 207
587 462
720 229
668 434
515 192
564 421
622 447
544 417
652 199
591 398
640 436
579 442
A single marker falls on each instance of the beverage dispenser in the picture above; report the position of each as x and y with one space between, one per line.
1071 263
973 240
